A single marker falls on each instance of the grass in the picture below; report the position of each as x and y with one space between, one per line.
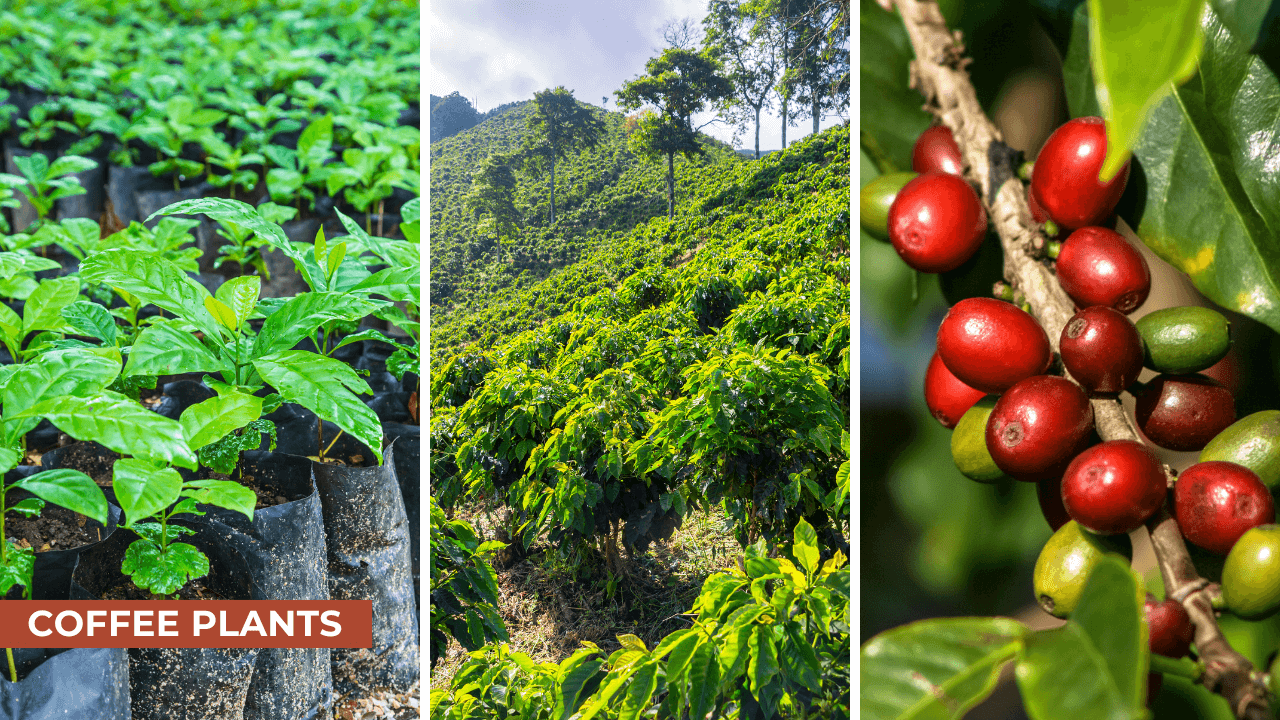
551 607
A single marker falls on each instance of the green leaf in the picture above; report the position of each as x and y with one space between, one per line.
1168 42
9 458
241 214
764 659
396 284
571 685
299 317
640 691
222 493
225 316
1211 144
241 295
31 507
165 349
936 668
704 679
121 425
1110 613
153 280
144 489
223 455
93 320
18 567
210 420
806 547
1063 677
43 310
71 489
163 572
324 386
69 164
1243 17
60 373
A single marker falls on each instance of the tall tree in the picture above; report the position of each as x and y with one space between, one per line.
492 194
818 71
558 125
742 40
678 84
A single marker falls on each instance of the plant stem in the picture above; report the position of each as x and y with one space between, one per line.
13 669
938 74
1182 667
331 442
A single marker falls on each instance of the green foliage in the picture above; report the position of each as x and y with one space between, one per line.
770 634
464 588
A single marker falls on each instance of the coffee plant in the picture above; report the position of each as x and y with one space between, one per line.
1037 362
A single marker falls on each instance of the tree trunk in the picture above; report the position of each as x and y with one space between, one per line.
671 186
784 122
757 132
553 189
815 114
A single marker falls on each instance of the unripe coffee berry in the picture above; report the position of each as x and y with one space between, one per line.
936 151
1181 340
1252 441
936 222
875 199
1113 487
1184 412
947 397
1101 349
969 444
1251 575
1065 178
1038 424
1171 628
1097 266
990 344
1064 565
1217 502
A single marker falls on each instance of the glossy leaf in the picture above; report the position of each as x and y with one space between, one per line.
241 295
396 284
43 309
1110 613
153 280
1168 42
643 683
1243 17
70 489
18 566
58 374
936 668
210 420
1209 157
1062 676
324 386
165 349
120 424
143 489
223 315
163 572
300 316
93 320
222 493
704 678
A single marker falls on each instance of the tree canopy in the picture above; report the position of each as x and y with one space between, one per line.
558 125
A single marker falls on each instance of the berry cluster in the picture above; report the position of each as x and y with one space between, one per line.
1019 411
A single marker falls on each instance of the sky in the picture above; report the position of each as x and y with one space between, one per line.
500 51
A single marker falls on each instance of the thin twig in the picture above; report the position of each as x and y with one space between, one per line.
938 73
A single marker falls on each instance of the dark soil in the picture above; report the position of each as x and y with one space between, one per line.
56 528
268 494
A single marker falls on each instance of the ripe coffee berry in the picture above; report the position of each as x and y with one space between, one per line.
936 222
1184 412
1171 628
990 344
1038 425
1217 502
1101 349
1065 177
948 398
1113 487
936 151
1097 266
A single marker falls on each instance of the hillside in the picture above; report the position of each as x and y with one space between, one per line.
601 195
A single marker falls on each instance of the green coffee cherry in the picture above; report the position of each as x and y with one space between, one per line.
1251 575
1184 340
969 443
1252 441
1065 563
875 199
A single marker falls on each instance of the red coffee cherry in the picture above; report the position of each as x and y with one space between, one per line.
1113 487
936 222
1038 424
1184 412
1065 177
1101 349
936 151
1215 502
1049 493
1171 628
1097 266
1037 212
990 344
948 398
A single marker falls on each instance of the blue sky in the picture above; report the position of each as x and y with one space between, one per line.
498 51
